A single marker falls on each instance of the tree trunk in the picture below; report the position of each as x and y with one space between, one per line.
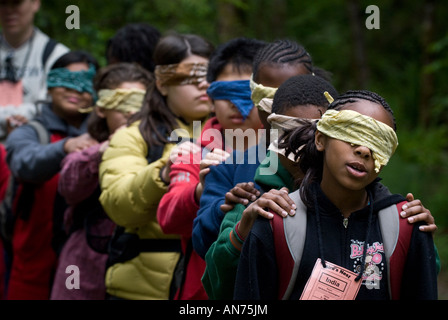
229 22
357 26
427 78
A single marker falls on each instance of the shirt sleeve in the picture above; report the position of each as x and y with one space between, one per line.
222 258
79 174
209 217
178 207
31 161
131 188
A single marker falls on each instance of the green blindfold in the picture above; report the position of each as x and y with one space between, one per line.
81 81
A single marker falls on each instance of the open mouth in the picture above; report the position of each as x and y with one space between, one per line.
356 169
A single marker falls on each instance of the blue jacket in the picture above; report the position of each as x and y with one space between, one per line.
220 180
28 159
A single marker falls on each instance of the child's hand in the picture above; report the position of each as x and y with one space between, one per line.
103 147
79 143
177 155
15 121
211 159
277 201
182 150
214 158
242 193
415 211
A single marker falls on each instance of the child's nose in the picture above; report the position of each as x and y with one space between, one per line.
203 84
362 151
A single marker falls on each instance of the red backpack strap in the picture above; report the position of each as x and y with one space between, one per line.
396 233
289 240
398 258
282 254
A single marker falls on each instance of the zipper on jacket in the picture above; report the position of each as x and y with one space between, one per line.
345 222
345 240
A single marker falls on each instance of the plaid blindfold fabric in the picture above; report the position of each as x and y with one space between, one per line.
181 73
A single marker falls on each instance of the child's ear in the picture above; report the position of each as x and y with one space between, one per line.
162 88
100 112
319 139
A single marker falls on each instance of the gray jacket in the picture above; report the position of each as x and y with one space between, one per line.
28 159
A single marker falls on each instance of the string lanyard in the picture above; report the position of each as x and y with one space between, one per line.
10 72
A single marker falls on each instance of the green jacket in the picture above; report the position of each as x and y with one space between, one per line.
223 256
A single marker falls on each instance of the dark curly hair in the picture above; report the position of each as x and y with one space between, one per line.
239 52
135 42
302 90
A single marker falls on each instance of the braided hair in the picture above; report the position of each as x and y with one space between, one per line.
282 52
355 95
300 142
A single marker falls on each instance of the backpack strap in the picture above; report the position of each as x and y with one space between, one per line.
6 211
396 233
49 47
26 196
289 240
42 132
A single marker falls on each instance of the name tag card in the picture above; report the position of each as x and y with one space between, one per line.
11 94
331 283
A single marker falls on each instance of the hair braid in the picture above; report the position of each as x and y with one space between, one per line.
283 52
355 95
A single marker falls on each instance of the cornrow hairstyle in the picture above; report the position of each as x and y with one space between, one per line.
157 119
311 160
239 53
302 90
111 77
355 95
282 52
135 42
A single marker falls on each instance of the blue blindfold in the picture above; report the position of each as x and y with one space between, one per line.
238 92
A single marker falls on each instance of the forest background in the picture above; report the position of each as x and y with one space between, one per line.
405 61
